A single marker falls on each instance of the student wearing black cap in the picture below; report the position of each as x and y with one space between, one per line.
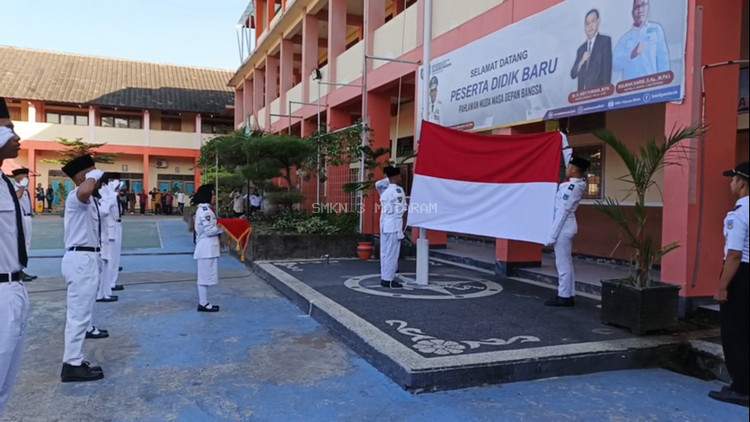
733 290
21 178
80 266
392 208
564 229
13 259
207 245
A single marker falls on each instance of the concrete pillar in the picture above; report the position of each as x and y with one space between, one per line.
32 113
198 130
309 52
146 176
336 34
379 108
92 123
31 165
286 73
259 80
272 86
374 19
147 126
696 196
196 173
239 113
260 18
247 100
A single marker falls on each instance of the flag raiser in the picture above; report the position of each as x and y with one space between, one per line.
500 186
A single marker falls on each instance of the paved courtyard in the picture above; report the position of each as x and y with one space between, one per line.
260 359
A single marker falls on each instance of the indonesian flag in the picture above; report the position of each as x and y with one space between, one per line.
500 186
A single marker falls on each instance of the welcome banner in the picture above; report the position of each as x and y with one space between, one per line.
578 57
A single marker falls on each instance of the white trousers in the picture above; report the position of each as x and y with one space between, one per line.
566 283
114 261
390 247
105 270
208 271
81 273
26 220
14 311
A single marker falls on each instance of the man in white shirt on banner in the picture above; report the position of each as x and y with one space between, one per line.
21 177
643 50
392 209
14 301
564 229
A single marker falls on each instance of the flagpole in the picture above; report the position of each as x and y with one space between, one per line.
423 244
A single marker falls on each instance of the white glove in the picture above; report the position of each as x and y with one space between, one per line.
24 182
95 174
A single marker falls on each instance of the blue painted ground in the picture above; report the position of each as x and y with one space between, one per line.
259 359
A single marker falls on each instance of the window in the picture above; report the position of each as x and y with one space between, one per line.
121 122
404 147
171 123
68 119
216 127
586 123
594 176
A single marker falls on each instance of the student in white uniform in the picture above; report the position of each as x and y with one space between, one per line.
392 209
14 301
207 247
80 266
733 292
564 229
109 210
21 177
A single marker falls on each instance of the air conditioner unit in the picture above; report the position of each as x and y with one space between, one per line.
162 164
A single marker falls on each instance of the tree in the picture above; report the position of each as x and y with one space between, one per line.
73 148
642 167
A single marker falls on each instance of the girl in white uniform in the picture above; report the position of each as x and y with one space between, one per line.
207 247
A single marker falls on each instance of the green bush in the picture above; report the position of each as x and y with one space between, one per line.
284 199
316 225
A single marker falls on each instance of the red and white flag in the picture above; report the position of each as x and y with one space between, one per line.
501 186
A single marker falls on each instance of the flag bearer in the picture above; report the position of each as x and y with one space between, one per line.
21 177
392 208
14 302
110 213
207 247
564 229
80 266
733 290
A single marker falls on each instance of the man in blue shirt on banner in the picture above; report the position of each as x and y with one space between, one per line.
643 49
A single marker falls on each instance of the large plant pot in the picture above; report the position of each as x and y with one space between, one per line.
364 250
640 310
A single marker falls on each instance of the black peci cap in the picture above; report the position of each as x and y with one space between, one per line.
581 163
77 164
391 171
4 113
742 170
20 171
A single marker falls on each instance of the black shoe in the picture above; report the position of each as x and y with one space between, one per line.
119 269
96 333
729 396
208 308
80 373
112 298
118 287
390 284
27 277
564 302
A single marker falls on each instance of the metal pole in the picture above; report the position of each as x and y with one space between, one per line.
365 125
317 160
423 244
217 181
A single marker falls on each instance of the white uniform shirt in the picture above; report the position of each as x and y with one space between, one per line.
9 262
206 233
653 59
381 185
25 202
81 222
109 212
736 230
569 195
392 209
180 198
238 202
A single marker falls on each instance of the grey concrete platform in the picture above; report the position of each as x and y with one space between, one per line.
467 328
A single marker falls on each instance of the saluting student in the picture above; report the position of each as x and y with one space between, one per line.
21 177
207 247
392 208
564 229
733 289
80 266
14 300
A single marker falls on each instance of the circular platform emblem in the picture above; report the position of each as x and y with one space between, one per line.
441 287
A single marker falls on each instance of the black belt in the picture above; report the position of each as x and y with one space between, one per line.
119 221
83 249
27 215
5 277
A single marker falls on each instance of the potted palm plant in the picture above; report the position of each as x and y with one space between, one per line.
639 302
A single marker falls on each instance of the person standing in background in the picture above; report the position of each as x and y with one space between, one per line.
733 291
21 178
50 196
131 201
180 202
143 202
39 197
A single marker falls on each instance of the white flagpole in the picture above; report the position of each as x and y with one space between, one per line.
423 244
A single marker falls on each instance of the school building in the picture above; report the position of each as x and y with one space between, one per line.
306 59
153 118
